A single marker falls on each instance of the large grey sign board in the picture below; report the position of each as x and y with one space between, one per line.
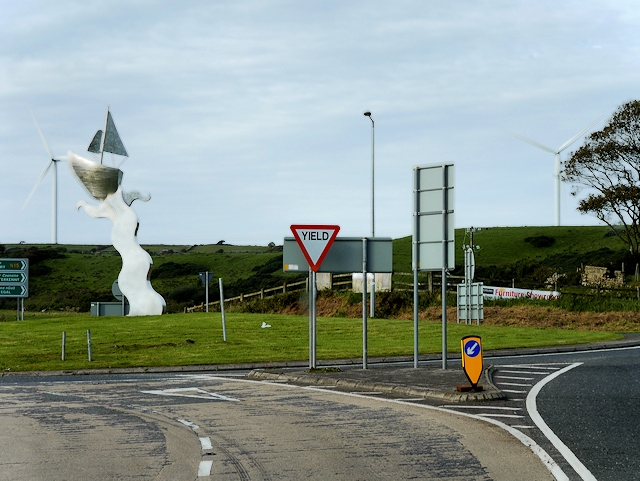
14 278
344 256
434 229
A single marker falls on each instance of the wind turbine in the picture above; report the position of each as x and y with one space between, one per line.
52 162
557 154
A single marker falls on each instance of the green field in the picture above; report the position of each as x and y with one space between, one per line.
70 277
196 339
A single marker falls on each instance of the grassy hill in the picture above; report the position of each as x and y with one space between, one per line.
502 246
70 277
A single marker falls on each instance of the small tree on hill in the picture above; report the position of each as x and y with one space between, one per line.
609 163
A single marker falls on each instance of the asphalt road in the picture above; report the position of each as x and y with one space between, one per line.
590 405
206 426
594 409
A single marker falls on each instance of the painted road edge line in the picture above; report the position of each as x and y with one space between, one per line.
571 458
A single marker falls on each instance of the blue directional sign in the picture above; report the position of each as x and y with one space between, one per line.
472 348
14 277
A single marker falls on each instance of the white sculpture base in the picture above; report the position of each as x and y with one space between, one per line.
133 279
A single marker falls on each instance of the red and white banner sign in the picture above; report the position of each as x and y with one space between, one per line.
315 241
489 292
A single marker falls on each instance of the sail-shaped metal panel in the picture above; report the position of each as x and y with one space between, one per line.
94 146
112 142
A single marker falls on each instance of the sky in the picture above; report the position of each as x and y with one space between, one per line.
242 118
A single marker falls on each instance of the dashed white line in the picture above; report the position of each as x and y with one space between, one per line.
205 443
189 423
514 377
205 468
514 384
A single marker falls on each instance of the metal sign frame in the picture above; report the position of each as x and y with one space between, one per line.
433 246
347 255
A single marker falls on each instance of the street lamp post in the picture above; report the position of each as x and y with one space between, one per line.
373 231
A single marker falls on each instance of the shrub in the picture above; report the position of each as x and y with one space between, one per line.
540 241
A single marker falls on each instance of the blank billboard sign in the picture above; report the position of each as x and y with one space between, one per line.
434 227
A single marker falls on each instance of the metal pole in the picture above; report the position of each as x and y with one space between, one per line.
309 287
64 344
373 229
415 264
224 327
207 289
364 303
314 318
445 255
89 343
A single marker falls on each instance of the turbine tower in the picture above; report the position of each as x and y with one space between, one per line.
52 162
556 152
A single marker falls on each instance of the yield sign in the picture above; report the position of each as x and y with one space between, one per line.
315 241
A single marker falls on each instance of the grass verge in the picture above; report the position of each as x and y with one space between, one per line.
193 339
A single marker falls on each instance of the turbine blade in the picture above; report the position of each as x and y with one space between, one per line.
535 144
44 172
44 141
575 137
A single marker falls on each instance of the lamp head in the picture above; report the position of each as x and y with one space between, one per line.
367 113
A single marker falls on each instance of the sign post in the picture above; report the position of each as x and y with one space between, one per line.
315 242
433 236
206 280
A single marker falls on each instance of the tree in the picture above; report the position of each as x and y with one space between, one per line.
609 163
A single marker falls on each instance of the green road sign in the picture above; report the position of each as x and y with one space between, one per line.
13 265
12 277
13 291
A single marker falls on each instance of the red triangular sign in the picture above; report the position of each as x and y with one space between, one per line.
315 241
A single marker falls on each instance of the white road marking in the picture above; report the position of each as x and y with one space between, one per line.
202 394
205 443
532 366
514 384
513 392
205 468
523 372
56 394
523 427
571 458
480 407
494 415
188 423
514 377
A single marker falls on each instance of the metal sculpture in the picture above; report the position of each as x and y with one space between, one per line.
103 184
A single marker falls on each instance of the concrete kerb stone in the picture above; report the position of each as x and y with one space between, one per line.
493 393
